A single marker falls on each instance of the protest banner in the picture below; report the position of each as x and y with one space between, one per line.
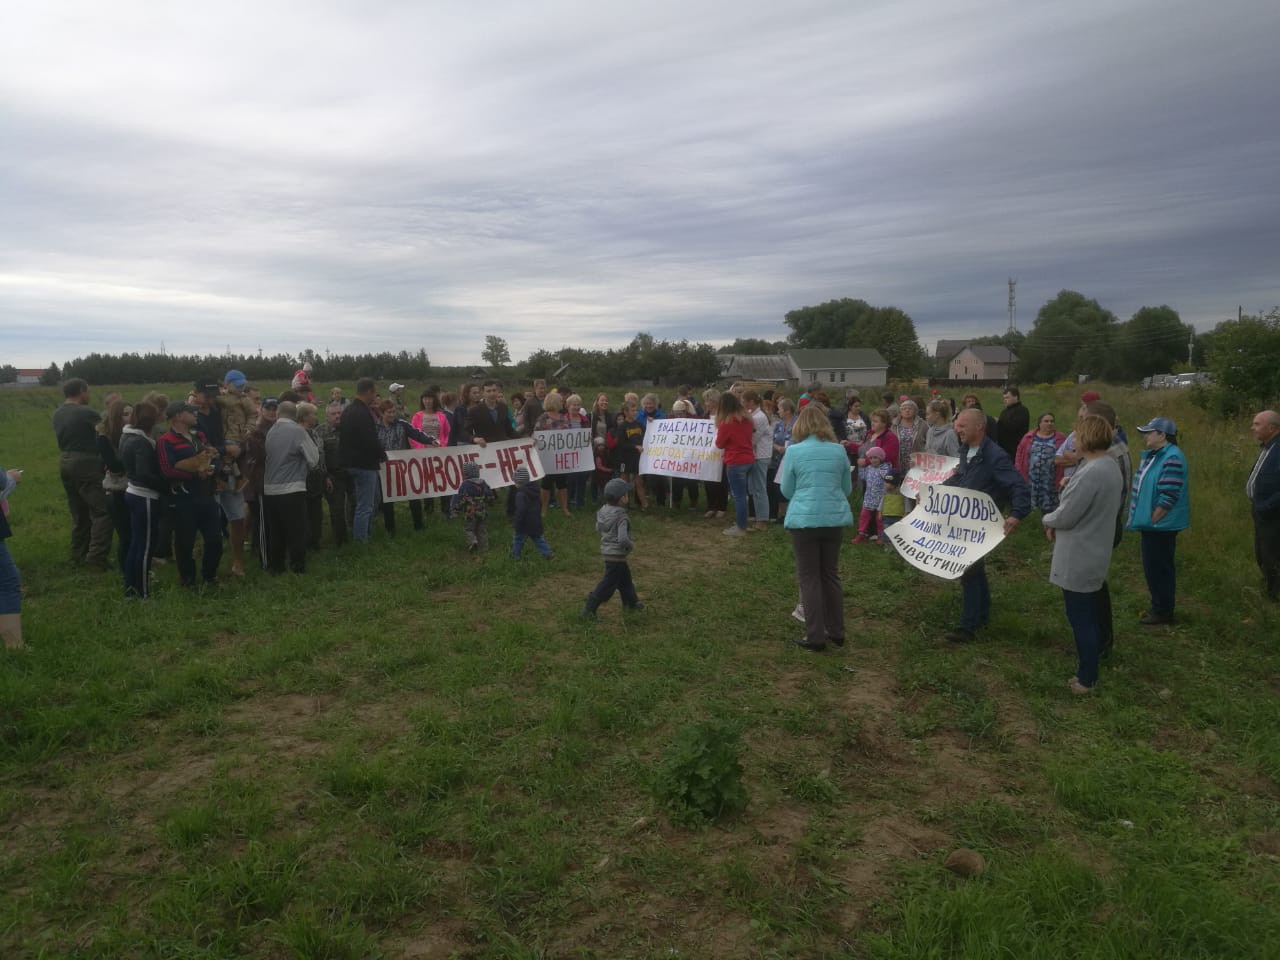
437 471
950 529
565 451
927 468
681 447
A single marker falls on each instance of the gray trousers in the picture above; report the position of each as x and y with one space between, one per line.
90 520
817 553
476 532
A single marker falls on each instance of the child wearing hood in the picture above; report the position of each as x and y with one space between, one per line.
525 510
472 502
615 545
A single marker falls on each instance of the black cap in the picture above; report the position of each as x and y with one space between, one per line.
208 386
177 407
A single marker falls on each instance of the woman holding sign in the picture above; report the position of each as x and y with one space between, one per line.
1082 531
554 418
814 477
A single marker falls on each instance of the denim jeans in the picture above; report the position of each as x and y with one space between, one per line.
977 597
10 582
1159 569
517 545
1082 614
737 476
365 484
759 493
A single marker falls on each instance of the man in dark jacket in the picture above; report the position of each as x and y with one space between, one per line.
189 463
1014 422
75 425
362 455
985 467
1263 490
489 420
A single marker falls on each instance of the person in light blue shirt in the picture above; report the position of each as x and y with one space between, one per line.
814 477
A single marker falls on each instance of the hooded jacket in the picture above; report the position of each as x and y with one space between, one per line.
141 465
614 527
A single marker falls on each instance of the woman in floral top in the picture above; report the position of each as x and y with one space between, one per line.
554 418
1034 461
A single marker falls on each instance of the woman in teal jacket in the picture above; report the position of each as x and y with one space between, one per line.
814 476
1159 508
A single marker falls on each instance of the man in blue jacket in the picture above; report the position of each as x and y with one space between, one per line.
1263 490
985 467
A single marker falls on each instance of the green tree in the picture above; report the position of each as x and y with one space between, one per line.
51 376
1072 334
1245 360
855 323
1154 339
754 347
495 352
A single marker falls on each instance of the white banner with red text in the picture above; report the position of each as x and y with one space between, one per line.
565 451
927 468
681 447
949 530
437 471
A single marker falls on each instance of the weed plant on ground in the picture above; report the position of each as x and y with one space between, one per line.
412 752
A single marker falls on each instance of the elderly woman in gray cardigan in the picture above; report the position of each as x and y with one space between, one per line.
1082 530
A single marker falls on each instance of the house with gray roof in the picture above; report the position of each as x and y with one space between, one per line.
848 367
982 363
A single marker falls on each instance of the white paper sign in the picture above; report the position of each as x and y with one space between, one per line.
927 468
949 530
565 451
681 447
437 471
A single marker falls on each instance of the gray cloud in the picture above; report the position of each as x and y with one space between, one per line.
396 175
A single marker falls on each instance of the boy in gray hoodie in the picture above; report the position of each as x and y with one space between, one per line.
615 544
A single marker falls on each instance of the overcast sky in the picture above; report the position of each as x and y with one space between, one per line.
383 175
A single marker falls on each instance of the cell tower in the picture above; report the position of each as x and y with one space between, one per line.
1013 305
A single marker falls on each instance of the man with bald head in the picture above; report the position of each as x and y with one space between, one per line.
1263 491
985 467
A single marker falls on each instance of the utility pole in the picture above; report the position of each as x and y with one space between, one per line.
1191 345
1013 306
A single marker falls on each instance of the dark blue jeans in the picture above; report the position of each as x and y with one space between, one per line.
977 597
1158 567
1083 614
10 582
617 577
737 476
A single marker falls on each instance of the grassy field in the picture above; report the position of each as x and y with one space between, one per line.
413 753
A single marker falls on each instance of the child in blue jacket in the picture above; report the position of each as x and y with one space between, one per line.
525 510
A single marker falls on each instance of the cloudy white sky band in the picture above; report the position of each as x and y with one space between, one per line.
394 175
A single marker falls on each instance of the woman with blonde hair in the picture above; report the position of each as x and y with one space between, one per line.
553 417
815 479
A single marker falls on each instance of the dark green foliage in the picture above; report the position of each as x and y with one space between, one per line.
855 323
700 777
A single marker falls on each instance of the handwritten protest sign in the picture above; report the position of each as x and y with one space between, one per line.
437 471
927 468
681 447
565 451
949 530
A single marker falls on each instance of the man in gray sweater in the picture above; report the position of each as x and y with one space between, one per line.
291 454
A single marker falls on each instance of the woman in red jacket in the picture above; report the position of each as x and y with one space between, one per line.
733 436
881 435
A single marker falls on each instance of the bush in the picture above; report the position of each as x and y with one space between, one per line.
700 776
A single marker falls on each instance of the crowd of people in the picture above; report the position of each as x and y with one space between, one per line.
225 464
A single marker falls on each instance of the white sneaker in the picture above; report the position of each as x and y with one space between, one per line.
734 531
798 612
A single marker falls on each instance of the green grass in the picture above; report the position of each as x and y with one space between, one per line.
412 752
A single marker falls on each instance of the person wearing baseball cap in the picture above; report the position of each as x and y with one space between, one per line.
616 545
187 461
1159 507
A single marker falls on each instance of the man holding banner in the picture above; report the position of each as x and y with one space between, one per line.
986 468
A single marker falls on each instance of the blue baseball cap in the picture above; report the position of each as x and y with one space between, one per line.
1161 424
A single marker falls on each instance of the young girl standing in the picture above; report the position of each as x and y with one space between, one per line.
873 469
